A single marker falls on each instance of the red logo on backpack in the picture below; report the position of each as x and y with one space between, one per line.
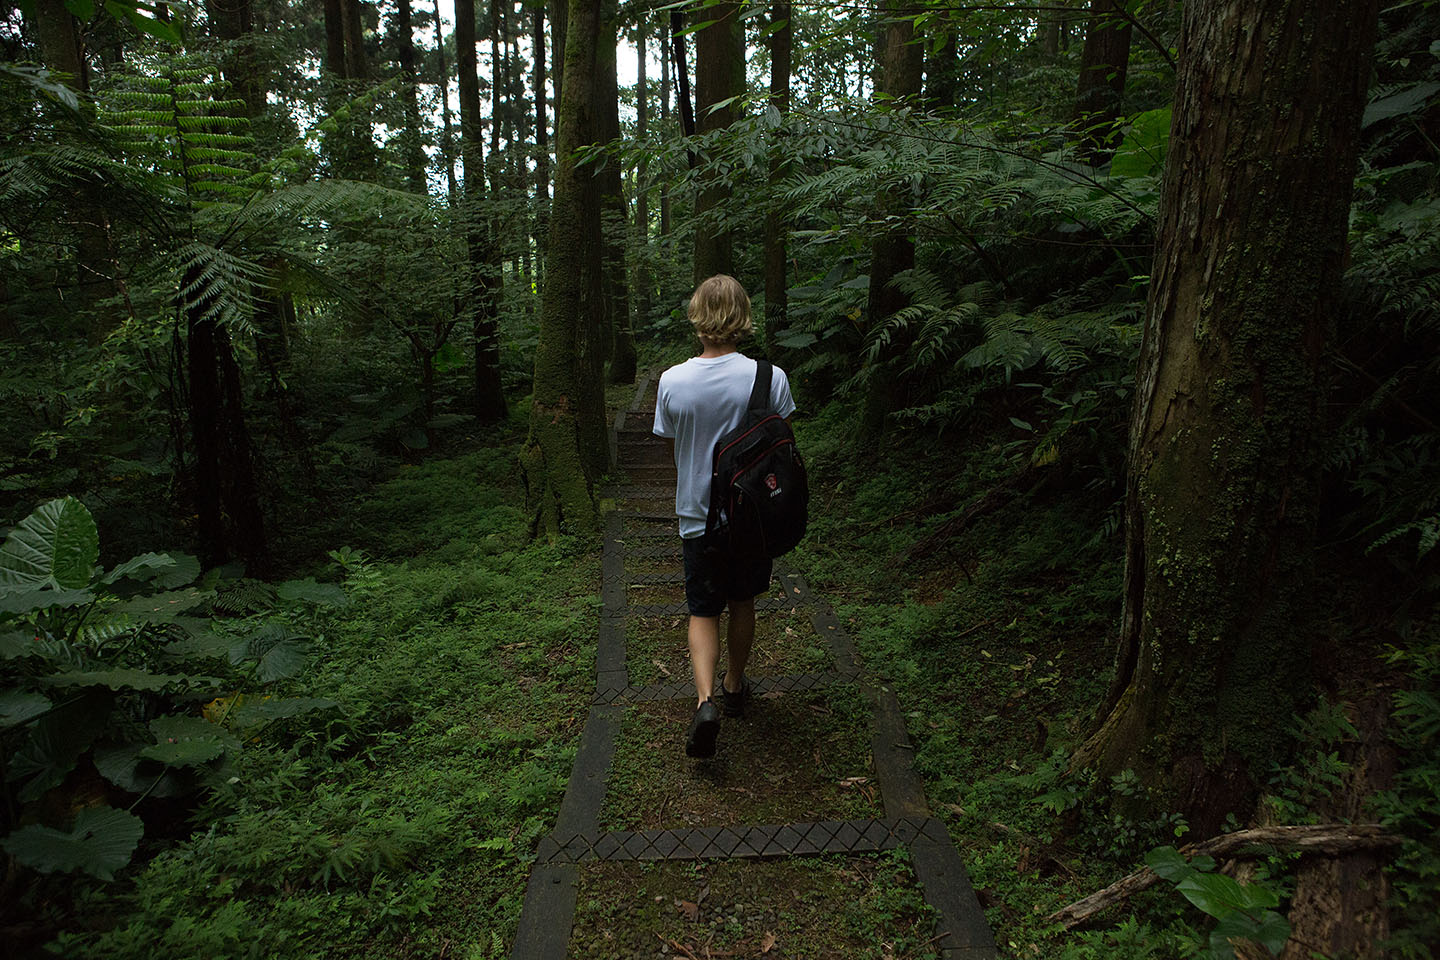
771 482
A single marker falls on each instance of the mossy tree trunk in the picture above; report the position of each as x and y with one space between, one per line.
719 76
776 298
542 140
893 250
1224 453
567 418
484 265
412 140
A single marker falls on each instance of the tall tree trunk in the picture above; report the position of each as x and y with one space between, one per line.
542 141
682 73
1101 89
559 24
60 43
334 38
412 149
644 300
719 76
352 20
776 298
567 419
614 216
665 119
1222 484
484 261
892 251
447 137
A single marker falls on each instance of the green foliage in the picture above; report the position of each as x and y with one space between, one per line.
1243 911
1412 806
100 664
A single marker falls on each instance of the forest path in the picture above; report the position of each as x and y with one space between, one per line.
775 792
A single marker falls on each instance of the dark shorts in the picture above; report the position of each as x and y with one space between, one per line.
713 578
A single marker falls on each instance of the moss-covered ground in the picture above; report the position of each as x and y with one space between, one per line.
865 908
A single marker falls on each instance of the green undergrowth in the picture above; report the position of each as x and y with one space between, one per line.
989 600
402 825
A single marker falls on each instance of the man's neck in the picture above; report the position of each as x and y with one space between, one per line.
710 350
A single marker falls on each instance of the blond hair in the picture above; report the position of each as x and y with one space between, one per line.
720 310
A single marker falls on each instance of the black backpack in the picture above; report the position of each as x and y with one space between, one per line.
759 496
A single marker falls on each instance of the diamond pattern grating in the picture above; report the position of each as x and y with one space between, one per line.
754 842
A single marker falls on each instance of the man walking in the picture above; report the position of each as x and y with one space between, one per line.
697 402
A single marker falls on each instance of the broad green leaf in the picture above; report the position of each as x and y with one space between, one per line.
202 645
307 590
123 766
29 599
796 341
102 841
185 741
160 607
254 710
1142 152
20 706
56 546
186 569
1219 895
1169 863
119 678
84 9
55 743
142 567
1398 104
17 643
277 652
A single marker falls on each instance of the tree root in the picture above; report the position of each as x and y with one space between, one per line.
1326 838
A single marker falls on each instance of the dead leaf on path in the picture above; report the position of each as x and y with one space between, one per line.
689 910
954 808
664 670
853 781
767 943
771 695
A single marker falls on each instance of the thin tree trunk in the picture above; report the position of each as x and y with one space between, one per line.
352 22
719 76
334 39
484 262
614 217
1222 487
542 141
682 73
567 415
892 251
559 24
776 297
1103 65
665 46
643 293
447 137
412 152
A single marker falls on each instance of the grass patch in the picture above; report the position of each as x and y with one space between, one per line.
852 907
797 757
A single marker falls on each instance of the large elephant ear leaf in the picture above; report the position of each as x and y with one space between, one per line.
56 547
276 651
55 744
102 841
186 741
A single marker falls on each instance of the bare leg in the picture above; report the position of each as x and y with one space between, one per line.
739 636
704 635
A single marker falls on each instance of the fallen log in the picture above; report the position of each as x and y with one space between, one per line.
1325 838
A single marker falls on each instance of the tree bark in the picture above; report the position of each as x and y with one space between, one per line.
334 38
665 46
682 74
447 137
483 261
352 24
1224 457
567 419
776 285
893 250
614 216
644 294
1103 64
559 24
412 147
719 76
542 140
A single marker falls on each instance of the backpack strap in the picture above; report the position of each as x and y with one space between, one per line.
760 393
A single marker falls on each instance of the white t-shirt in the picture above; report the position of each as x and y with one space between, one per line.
698 401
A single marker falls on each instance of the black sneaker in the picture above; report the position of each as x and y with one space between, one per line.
704 729
734 702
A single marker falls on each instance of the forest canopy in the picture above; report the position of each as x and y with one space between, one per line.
1115 333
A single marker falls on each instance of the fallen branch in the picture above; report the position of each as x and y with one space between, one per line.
1325 838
